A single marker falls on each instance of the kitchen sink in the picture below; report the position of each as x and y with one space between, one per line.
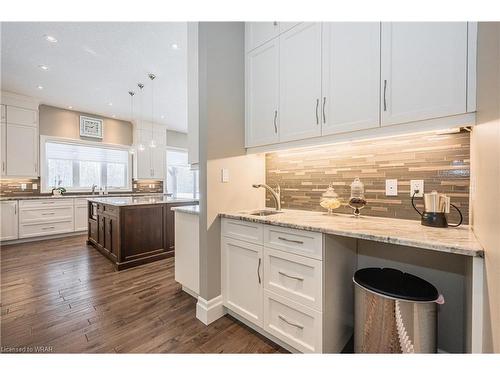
264 212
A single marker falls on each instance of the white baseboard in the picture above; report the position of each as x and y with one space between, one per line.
209 311
42 238
190 292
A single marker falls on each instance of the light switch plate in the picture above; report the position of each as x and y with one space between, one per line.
391 187
225 175
417 185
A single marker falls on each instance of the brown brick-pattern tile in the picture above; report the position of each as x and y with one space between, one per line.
441 160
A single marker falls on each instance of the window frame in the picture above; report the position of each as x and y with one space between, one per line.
196 176
78 142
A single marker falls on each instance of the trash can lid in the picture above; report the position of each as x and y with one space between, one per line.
396 284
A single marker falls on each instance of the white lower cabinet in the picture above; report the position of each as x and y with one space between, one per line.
273 277
45 217
81 214
9 220
242 279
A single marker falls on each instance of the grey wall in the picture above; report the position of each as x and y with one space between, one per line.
59 122
221 68
485 167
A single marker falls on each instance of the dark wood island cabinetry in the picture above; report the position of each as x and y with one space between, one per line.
132 231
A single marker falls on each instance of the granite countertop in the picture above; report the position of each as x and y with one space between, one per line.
459 240
136 201
69 195
194 210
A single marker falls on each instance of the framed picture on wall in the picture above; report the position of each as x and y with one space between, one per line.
90 127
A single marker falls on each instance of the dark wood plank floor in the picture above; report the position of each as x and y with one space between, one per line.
62 296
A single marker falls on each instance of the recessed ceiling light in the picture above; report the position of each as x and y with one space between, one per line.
50 38
110 104
43 67
162 116
39 87
70 107
175 46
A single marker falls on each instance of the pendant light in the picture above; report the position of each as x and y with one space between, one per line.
131 93
140 146
152 77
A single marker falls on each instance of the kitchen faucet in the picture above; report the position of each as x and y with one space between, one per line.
275 193
93 189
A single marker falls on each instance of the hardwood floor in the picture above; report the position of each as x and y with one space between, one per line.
63 296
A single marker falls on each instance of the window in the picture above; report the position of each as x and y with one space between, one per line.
77 166
182 182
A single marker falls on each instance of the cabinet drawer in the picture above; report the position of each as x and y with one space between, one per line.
306 243
296 325
293 276
45 203
45 215
80 202
243 230
44 229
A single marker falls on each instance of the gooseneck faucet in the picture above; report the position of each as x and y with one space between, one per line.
275 193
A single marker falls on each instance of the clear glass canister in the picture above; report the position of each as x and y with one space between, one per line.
357 200
330 200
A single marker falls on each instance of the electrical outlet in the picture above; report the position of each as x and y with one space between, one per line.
391 188
224 175
417 185
23 187
34 186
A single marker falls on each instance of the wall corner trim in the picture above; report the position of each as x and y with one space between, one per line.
209 311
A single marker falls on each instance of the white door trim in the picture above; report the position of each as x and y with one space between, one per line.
209 311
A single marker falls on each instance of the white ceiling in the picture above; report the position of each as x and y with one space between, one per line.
94 64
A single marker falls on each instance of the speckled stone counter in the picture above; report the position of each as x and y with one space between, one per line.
194 210
136 201
459 240
71 196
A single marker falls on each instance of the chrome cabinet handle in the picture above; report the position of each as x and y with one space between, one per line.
288 240
15 209
317 106
290 276
297 325
46 228
3 166
385 90
274 121
258 271
324 103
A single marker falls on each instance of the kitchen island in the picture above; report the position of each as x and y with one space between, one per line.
131 231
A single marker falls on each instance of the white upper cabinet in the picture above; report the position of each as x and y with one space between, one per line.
142 163
424 70
3 149
300 82
351 76
262 95
3 115
149 162
21 116
21 150
257 33
158 162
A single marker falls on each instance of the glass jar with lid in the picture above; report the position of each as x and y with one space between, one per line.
330 200
357 200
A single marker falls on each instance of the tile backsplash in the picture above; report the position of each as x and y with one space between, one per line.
147 186
441 160
13 187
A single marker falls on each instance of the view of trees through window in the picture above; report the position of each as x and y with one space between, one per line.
182 182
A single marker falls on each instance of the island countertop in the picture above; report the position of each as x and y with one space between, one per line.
136 201
194 209
411 233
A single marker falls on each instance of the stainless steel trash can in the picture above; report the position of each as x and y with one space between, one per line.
394 312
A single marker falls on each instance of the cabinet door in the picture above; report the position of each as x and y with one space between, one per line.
242 272
9 221
262 95
25 162
2 113
21 116
300 82
143 163
257 33
351 76
81 217
3 149
101 222
424 70
158 162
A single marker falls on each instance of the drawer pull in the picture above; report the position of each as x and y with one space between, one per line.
48 213
288 240
47 228
297 325
290 276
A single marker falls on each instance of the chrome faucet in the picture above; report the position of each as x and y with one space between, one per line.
275 193
93 189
